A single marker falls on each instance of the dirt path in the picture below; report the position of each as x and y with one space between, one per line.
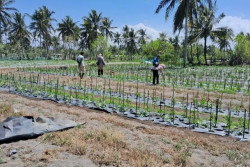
111 140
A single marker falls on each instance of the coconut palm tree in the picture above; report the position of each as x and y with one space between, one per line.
83 43
125 34
142 36
68 28
175 42
5 16
132 42
224 36
248 36
42 26
125 29
185 9
204 26
106 27
55 42
163 36
70 33
117 39
95 19
86 35
91 28
19 32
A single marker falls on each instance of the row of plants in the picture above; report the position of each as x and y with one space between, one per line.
35 63
119 100
94 82
227 80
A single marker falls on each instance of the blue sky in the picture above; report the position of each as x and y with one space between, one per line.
138 13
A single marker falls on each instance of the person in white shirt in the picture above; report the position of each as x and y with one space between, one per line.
81 65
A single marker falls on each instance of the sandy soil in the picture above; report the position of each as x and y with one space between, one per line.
111 140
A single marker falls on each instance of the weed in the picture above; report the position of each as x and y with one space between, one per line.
6 109
183 156
1 161
48 154
166 160
166 141
178 146
237 157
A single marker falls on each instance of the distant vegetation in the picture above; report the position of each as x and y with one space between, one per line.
96 34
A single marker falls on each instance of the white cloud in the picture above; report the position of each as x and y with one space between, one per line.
238 24
151 32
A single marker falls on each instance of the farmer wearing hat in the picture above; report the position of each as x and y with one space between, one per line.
100 63
81 65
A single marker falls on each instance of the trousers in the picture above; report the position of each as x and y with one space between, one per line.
155 77
100 72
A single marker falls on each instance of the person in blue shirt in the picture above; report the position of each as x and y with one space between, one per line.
156 60
155 70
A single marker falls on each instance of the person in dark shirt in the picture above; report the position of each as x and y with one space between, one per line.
100 63
155 70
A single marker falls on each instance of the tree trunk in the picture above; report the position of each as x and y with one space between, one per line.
22 47
47 47
40 45
65 54
191 60
0 33
224 53
19 52
205 49
197 54
0 38
69 51
186 33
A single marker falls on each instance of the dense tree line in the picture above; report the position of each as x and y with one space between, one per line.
95 34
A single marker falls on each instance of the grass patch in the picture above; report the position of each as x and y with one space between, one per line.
237 157
181 151
6 110
2 161
48 155
104 146
166 141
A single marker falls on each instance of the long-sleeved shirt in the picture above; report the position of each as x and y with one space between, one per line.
80 59
155 60
100 61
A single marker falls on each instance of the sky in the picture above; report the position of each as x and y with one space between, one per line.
135 13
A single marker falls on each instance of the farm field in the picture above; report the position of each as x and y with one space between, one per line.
25 63
124 83
198 116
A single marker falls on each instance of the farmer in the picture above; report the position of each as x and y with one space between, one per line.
161 69
100 63
155 70
81 66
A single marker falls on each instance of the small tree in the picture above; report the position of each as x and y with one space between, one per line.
242 50
100 45
162 48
